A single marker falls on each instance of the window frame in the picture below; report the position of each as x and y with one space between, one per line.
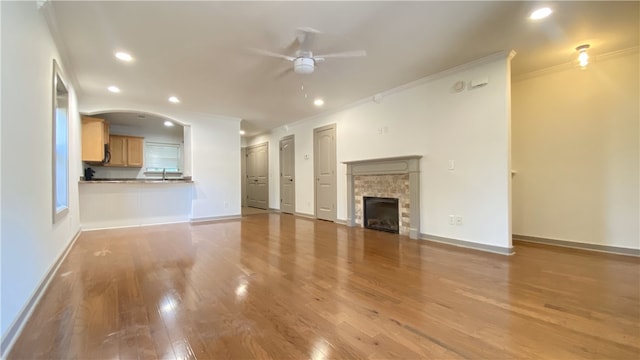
178 146
59 89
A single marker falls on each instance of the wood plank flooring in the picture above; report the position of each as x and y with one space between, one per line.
284 287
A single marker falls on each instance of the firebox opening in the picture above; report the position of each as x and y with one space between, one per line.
381 214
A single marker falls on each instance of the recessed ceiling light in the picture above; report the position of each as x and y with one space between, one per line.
124 56
318 102
174 100
540 13
242 132
168 123
113 89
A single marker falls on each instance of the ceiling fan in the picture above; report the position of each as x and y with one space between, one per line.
304 61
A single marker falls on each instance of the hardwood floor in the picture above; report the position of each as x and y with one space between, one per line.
285 287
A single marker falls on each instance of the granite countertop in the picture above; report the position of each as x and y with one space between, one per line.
136 181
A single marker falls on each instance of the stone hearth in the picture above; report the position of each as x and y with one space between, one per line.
397 177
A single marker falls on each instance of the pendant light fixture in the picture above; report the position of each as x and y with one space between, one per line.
583 56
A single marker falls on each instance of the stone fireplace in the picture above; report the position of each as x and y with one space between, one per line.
393 178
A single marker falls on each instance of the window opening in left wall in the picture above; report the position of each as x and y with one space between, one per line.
60 163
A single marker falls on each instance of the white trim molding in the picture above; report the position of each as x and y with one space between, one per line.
214 218
468 244
578 245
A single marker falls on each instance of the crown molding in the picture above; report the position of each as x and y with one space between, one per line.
568 65
377 98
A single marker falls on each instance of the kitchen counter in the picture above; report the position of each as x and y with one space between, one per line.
136 181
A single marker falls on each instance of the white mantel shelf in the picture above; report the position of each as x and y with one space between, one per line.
383 166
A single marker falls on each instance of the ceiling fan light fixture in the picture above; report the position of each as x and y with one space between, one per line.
303 65
583 56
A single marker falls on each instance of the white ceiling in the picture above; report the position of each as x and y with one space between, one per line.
199 51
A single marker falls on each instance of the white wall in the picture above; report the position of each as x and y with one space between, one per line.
150 135
575 147
430 119
30 242
213 140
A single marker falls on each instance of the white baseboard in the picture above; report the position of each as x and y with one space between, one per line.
341 222
468 244
577 245
13 332
215 218
308 216
134 225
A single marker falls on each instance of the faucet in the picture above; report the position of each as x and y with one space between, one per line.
164 174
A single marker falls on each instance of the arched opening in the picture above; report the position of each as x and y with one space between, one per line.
137 145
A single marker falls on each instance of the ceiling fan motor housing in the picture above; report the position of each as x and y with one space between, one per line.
303 65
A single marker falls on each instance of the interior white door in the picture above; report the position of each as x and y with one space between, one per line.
324 155
287 175
258 176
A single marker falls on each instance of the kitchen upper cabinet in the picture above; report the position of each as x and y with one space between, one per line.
118 149
134 151
126 151
95 135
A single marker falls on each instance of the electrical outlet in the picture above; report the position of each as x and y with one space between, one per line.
458 220
452 220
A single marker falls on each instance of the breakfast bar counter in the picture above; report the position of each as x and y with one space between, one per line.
137 181
109 203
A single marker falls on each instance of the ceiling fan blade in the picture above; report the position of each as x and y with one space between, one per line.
282 73
272 54
306 38
345 54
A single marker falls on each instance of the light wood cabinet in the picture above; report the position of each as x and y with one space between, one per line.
134 151
118 149
126 151
95 134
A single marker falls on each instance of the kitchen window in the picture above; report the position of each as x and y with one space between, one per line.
161 157
60 149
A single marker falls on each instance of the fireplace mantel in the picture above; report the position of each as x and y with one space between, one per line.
386 166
